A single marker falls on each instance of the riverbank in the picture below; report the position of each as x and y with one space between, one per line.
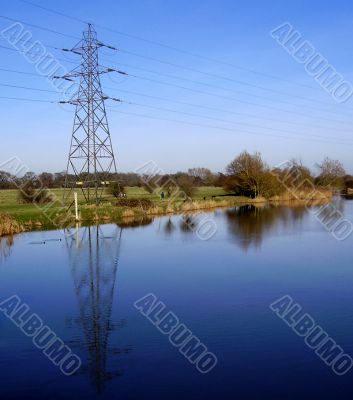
16 217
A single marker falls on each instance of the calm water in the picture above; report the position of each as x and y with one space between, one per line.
84 287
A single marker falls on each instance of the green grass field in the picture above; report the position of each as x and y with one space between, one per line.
25 213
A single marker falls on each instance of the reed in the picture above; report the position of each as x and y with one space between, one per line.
305 195
127 213
9 226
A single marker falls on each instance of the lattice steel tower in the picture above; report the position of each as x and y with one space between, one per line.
91 165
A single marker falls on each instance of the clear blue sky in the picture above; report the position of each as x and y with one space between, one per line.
235 32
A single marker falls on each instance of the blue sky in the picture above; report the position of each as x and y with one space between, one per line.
288 109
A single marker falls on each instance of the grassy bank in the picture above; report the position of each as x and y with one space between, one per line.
16 217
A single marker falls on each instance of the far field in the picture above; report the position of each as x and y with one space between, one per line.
32 214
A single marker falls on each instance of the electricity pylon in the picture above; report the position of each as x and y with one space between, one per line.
91 163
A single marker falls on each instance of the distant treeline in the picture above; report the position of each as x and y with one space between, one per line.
248 175
197 177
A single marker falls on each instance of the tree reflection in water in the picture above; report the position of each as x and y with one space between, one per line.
133 222
249 223
188 223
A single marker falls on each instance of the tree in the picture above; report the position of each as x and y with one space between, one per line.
331 174
59 179
348 181
202 175
129 179
30 179
247 173
6 180
185 184
46 179
220 179
294 175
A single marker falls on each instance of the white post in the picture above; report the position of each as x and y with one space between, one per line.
76 206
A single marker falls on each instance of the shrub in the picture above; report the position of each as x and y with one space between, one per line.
115 189
145 204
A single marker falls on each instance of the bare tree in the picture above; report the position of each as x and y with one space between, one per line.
331 174
249 175
248 169
294 174
202 174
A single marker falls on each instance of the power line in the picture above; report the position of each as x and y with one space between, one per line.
20 72
179 66
177 102
220 76
221 128
233 99
24 99
28 88
161 109
166 109
28 52
324 139
222 110
200 83
191 114
39 27
55 12
230 122
229 98
174 111
232 90
270 107
171 47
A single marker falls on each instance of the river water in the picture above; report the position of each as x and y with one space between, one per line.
83 284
